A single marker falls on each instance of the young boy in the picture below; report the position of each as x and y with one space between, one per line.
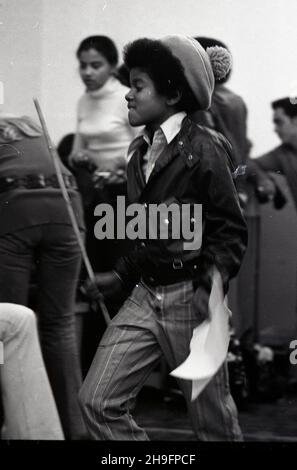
173 161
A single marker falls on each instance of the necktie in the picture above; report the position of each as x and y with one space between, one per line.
154 150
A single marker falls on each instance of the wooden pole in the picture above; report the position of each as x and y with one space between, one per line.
71 213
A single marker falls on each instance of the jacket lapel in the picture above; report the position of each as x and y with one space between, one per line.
135 176
176 147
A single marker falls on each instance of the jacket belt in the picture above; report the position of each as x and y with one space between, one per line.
170 273
38 181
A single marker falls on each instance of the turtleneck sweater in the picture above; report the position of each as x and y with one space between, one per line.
103 127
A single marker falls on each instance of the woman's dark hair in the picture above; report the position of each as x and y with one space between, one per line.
164 69
123 75
64 149
102 44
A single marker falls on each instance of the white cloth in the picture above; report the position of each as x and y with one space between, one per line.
209 344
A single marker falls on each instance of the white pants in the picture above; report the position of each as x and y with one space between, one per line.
29 408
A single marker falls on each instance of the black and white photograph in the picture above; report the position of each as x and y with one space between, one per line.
148 230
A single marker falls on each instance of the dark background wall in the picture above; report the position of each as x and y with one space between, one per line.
278 268
266 285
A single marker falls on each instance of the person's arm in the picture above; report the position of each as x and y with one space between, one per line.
258 173
258 167
225 233
79 155
118 282
128 270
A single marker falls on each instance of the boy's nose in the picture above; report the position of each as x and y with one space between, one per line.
129 96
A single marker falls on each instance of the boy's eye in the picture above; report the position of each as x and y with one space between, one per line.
137 86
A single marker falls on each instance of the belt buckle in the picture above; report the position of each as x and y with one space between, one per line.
41 181
177 264
35 181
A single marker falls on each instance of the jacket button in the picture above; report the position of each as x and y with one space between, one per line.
142 244
190 157
180 143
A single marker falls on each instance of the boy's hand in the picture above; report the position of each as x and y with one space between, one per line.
200 303
108 284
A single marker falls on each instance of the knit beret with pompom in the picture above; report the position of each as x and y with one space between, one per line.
221 61
201 68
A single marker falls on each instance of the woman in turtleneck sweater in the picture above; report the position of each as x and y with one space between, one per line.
103 130
103 136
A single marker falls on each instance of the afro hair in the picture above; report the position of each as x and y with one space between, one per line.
163 68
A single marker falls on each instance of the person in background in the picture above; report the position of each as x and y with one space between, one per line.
28 404
282 159
102 138
228 115
36 237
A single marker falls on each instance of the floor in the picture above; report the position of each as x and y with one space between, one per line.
263 422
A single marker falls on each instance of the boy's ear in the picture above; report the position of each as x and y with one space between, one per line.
173 100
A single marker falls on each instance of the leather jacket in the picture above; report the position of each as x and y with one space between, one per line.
195 168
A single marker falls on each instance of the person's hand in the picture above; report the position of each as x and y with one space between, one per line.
200 303
109 284
81 158
104 178
280 199
266 190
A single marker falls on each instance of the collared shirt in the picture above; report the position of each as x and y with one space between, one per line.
162 137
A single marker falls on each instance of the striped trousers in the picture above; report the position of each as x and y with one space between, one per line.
154 321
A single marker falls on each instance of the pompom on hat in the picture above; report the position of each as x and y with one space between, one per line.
201 68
